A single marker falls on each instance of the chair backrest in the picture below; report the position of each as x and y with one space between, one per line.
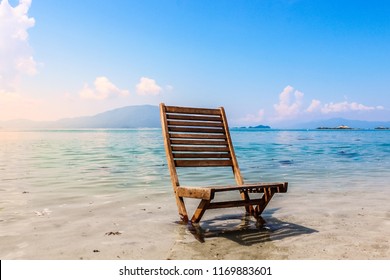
197 137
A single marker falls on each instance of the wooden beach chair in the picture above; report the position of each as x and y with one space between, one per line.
198 137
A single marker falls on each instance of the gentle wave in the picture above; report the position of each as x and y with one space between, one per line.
88 160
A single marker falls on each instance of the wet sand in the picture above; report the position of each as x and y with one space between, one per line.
329 226
320 224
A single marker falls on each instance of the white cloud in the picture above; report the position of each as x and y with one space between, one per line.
15 52
253 118
346 107
314 106
287 108
291 103
103 89
147 86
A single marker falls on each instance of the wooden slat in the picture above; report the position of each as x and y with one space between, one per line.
281 186
253 188
201 155
194 117
198 142
196 136
199 149
234 203
202 163
201 193
197 124
196 130
188 110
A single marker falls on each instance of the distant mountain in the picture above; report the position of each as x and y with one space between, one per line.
147 116
336 122
143 116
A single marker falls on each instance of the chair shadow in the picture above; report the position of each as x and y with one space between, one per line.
246 230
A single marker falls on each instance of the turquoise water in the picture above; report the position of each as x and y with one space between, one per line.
64 192
326 158
107 160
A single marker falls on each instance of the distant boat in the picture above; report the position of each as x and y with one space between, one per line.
382 127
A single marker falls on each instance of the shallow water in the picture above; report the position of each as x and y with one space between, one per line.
92 160
334 158
106 180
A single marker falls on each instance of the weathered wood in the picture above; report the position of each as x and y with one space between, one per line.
202 163
167 145
201 155
199 142
200 210
234 203
268 194
253 188
192 111
236 169
197 137
199 149
215 118
171 165
250 188
201 193
196 129
195 124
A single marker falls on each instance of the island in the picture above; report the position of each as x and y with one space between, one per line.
338 127
256 127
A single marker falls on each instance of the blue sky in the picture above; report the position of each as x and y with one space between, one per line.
265 61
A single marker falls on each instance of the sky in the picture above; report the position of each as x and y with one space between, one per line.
265 61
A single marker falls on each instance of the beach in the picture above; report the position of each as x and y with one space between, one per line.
335 225
60 206
321 231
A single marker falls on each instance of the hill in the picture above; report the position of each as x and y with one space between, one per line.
143 116
147 116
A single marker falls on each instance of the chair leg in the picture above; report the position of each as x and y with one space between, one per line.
182 209
202 207
268 194
245 196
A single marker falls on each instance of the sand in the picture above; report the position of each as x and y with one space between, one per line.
326 227
320 224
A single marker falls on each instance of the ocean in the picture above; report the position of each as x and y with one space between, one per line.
135 159
49 172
